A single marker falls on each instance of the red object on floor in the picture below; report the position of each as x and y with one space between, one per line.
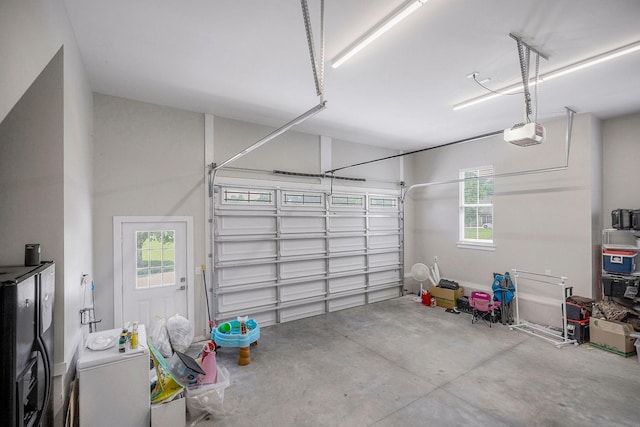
426 299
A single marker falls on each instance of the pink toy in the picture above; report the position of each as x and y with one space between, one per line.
209 365
483 307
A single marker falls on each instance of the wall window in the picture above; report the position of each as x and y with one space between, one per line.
476 205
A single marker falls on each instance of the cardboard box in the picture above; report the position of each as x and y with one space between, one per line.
447 298
170 414
612 336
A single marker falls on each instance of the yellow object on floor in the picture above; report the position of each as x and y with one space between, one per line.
167 385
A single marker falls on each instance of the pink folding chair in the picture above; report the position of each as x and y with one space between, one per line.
483 307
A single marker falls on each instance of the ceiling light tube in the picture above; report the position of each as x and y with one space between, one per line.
504 91
616 53
580 65
406 9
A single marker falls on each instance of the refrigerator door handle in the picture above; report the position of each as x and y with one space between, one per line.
40 348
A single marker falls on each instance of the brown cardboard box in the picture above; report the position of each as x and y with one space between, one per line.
447 298
612 336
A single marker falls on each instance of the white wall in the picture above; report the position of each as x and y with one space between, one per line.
300 152
291 151
149 161
541 221
597 219
383 174
31 33
132 138
31 177
621 136
25 26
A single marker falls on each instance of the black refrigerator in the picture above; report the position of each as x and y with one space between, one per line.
26 334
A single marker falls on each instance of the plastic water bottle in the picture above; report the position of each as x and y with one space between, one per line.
134 336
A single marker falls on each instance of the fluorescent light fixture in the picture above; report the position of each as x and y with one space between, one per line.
580 65
406 9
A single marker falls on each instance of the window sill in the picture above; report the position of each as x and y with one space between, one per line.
477 246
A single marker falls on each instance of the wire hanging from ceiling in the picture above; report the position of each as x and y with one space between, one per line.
475 79
524 52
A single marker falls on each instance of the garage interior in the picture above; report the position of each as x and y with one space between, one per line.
310 187
394 364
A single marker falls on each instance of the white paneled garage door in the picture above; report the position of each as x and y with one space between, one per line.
281 255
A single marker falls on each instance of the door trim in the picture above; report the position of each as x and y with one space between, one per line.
118 222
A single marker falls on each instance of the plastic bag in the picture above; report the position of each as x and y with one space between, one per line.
180 332
207 399
160 337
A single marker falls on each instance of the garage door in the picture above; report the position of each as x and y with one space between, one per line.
281 255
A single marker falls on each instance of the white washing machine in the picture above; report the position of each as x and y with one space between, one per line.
114 387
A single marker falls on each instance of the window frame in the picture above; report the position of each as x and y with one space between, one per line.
353 201
167 264
383 202
474 243
247 196
305 199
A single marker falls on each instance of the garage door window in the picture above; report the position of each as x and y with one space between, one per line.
248 197
302 199
347 201
383 202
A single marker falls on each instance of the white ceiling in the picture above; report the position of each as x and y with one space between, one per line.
249 60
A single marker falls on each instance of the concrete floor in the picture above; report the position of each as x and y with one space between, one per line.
398 363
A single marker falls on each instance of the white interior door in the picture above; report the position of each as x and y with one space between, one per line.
154 261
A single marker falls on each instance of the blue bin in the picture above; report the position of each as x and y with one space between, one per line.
615 261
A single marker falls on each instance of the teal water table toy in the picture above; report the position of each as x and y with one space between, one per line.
239 333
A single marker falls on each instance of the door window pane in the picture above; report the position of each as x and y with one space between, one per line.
155 258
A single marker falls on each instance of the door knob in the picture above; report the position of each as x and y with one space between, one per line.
181 288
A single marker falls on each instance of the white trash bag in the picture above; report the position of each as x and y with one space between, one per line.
160 337
180 332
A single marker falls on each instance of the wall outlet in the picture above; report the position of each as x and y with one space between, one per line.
435 258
